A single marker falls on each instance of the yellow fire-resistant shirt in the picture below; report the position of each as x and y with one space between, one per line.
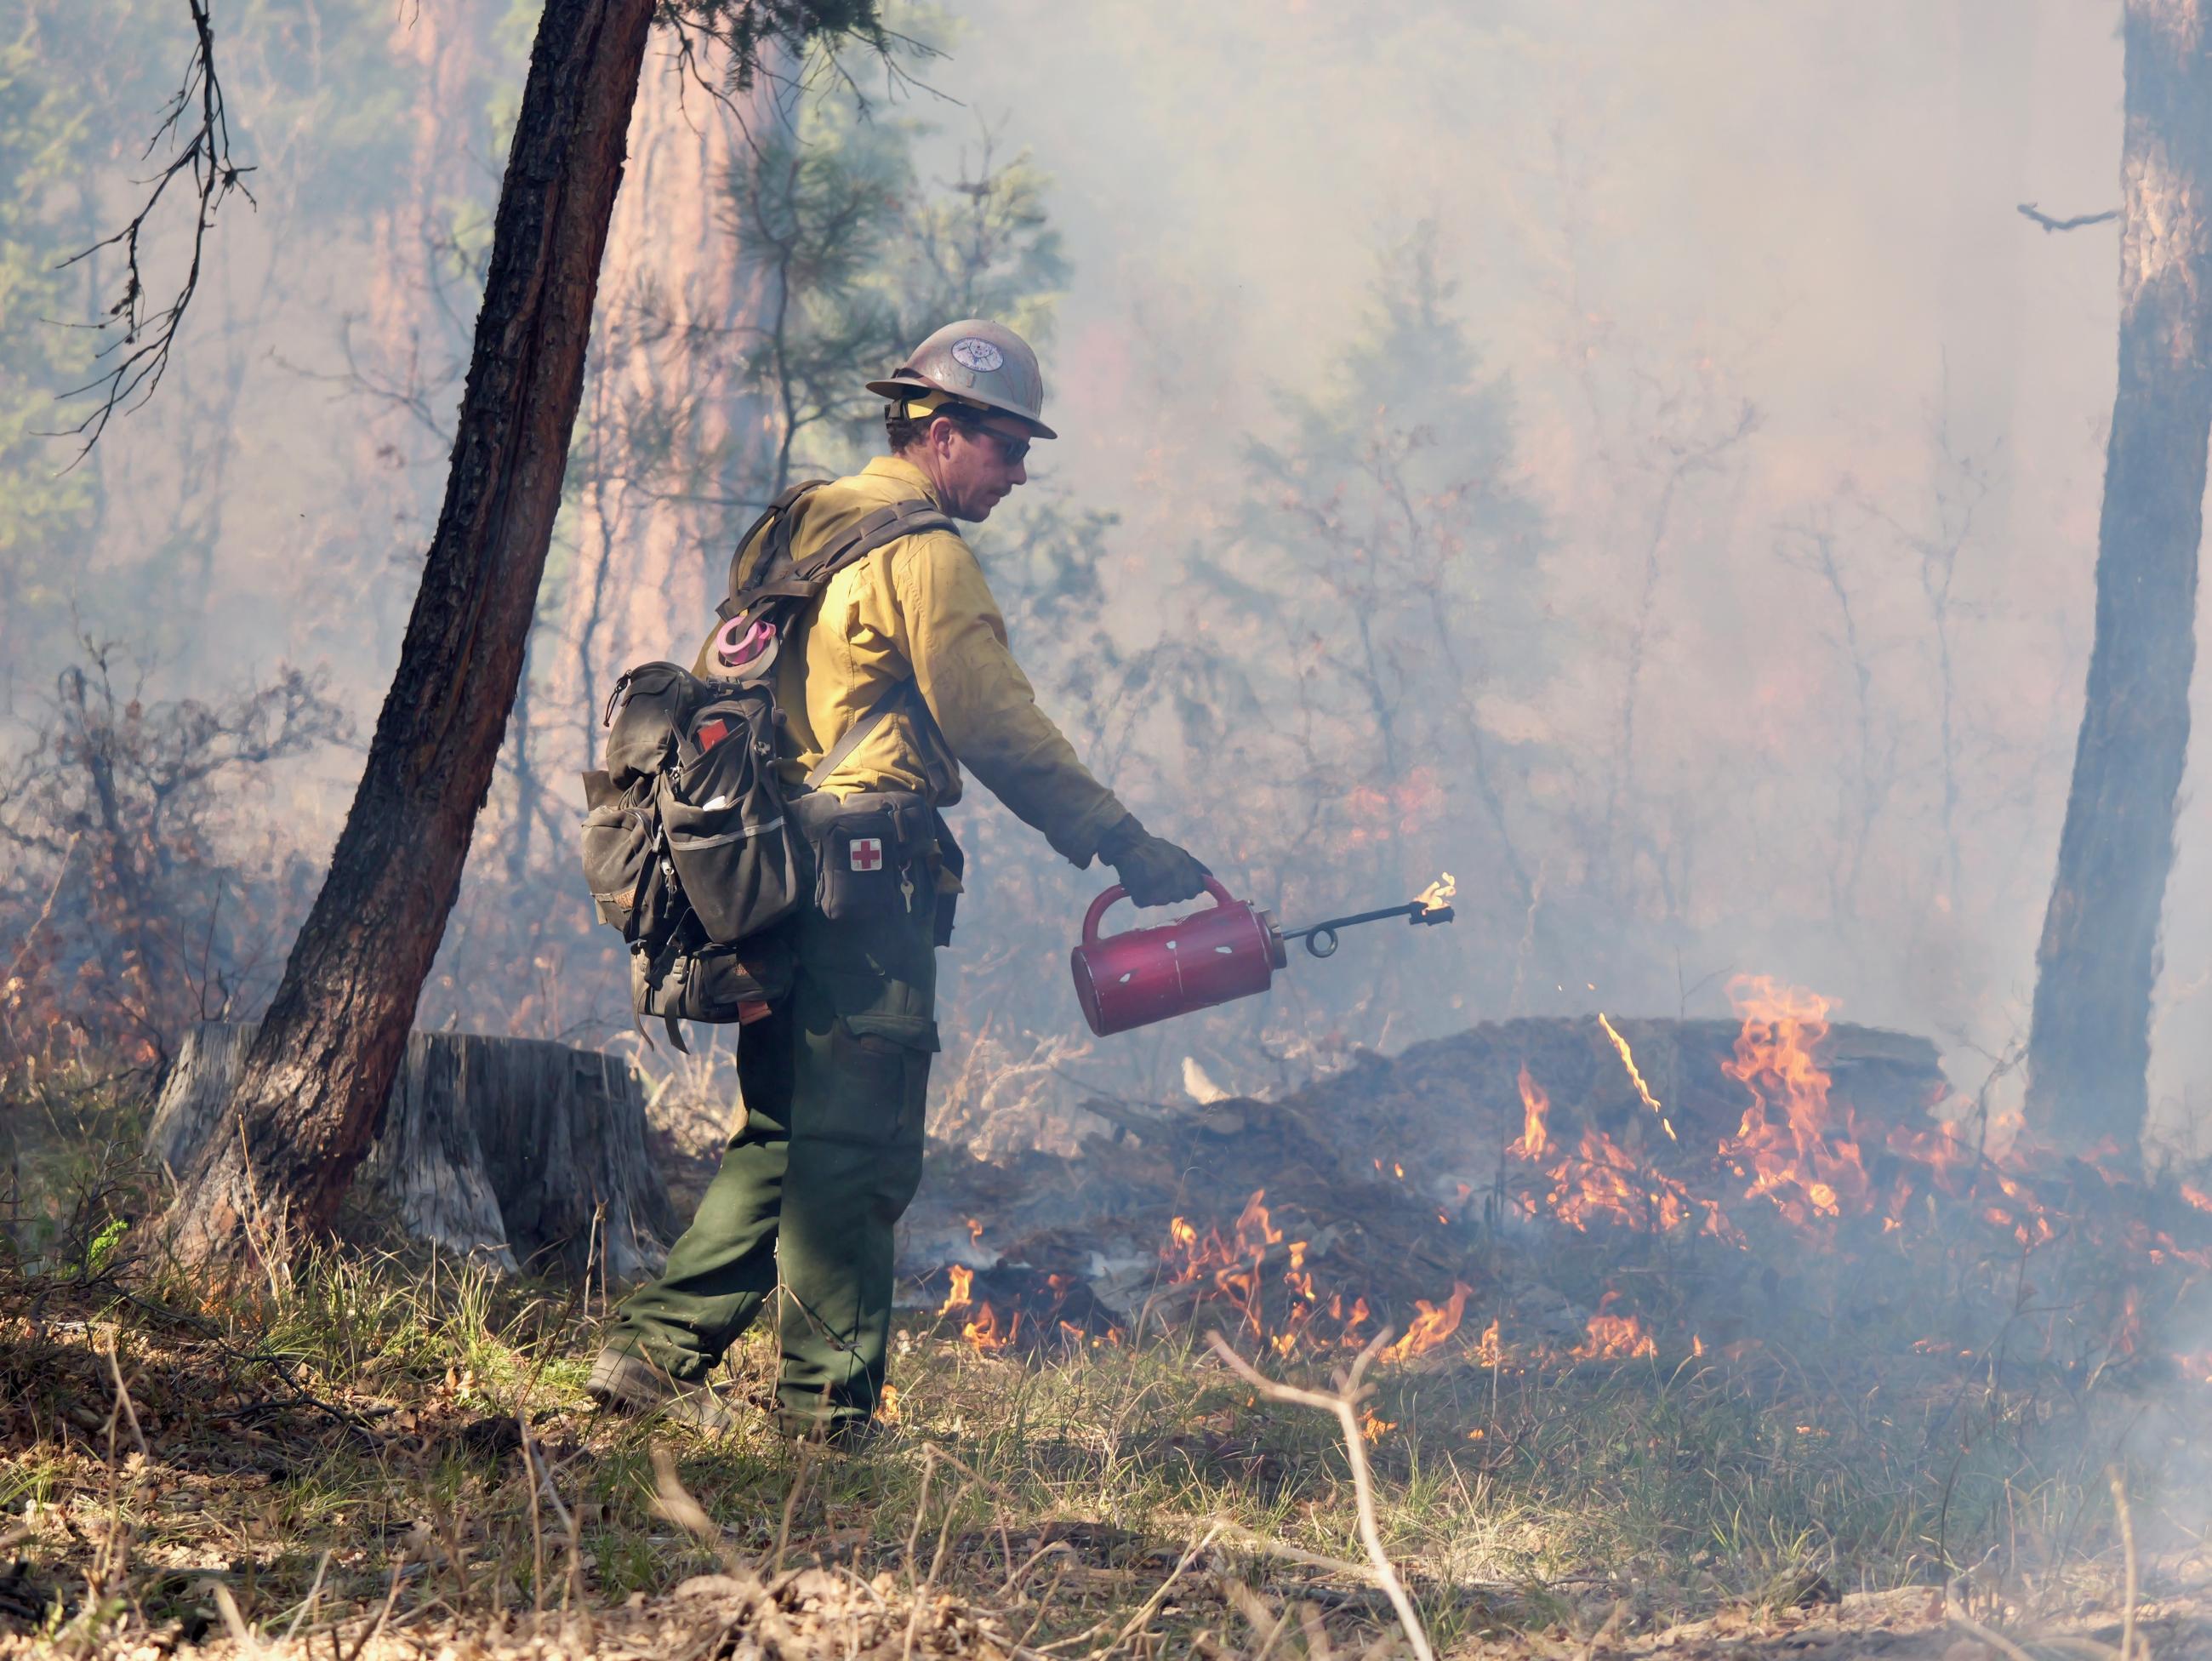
919 609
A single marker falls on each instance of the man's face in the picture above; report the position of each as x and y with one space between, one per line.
979 459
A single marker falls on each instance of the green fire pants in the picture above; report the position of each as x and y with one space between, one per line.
826 1159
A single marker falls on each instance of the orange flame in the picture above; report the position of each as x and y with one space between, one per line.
1615 1338
1801 1155
1635 1078
963 1279
1432 1326
983 1333
1534 1106
1439 894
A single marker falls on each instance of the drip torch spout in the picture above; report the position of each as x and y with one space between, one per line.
1320 937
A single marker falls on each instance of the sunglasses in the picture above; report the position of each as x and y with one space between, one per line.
1013 448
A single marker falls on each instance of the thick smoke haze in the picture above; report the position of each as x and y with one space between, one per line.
1798 431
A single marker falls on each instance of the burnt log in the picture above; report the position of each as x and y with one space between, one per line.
523 1154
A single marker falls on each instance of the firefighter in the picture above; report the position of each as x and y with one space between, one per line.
828 1153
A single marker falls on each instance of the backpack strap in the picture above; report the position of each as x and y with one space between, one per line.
804 580
778 514
903 696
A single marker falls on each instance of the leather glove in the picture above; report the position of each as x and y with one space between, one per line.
1153 869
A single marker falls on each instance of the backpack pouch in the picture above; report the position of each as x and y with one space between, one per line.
718 984
617 860
647 711
736 852
858 865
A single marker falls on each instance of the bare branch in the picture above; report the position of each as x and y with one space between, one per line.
202 155
2027 210
1352 1389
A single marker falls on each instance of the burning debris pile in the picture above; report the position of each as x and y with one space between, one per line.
1597 1189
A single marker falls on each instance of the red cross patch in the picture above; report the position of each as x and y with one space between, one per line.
867 853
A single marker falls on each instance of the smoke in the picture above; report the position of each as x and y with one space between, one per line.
1804 420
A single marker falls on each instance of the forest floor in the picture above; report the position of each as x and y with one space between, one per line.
335 1464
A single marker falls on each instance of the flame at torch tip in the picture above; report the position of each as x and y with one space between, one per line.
1439 894
1635 1078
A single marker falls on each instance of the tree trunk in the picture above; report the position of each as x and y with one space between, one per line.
2089 1045
513 1152
316 1077
671 432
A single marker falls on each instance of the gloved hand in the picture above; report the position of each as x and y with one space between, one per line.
1153 869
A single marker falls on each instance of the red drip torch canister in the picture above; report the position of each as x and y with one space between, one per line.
1148 975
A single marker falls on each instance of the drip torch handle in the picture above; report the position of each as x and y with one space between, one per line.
1104 903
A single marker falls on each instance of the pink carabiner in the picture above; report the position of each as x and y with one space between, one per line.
733 651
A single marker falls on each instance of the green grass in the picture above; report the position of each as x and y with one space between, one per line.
368 1411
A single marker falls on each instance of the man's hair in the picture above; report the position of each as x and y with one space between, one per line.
905 431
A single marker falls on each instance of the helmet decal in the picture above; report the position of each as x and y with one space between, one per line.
979 355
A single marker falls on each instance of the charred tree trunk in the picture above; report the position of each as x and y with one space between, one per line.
513 1151
2089 1046
316 1078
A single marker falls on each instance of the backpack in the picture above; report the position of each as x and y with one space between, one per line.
691 846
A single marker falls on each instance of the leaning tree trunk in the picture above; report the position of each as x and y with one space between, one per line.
316 1078
2089 1045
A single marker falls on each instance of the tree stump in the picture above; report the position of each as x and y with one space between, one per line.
504 1150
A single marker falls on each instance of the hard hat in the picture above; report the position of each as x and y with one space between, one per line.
977 362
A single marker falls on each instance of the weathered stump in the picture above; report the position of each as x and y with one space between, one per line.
501 1149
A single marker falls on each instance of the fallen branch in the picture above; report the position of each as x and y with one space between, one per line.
1344 1401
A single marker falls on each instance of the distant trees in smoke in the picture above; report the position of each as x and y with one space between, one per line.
1657 737
146 880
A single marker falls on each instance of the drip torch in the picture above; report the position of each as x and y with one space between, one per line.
1228 951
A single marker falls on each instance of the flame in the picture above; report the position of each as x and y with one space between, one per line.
1635 1078
963 1279
1372 1427
1432 1326
984 1335
1487 1351
1534 1106
1800 1153
1615 1337
1439 894
1601 1181
975 1232
1233 1265
887 1405
1349 1337
2196 1196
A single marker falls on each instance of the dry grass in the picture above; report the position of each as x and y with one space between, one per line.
391 1457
